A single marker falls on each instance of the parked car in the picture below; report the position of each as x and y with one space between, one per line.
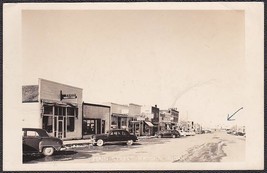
240 133
190 133
168 133
182 133
114 136
37 140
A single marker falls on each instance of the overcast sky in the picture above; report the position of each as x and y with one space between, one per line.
192 60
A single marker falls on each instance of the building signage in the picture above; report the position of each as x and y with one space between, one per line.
140 119
30 93
67 96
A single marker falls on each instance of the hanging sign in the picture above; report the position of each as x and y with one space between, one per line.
67 96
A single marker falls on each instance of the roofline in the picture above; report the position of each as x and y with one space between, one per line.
110 103
91 104
40 79
135 104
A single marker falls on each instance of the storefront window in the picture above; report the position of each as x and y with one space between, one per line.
103 126
70 124
123 121
48 109
71 111
88 127
114 120
60 110
48 123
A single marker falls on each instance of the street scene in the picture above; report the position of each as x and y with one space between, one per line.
132 93
143 85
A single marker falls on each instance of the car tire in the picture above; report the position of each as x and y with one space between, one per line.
48 151
173 136
129 142
99 142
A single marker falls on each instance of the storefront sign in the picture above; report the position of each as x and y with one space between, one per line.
140 119
67 96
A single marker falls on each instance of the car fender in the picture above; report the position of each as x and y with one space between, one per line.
45 143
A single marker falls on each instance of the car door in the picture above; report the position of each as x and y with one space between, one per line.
114 136
31 140
119 136
168 133
125 136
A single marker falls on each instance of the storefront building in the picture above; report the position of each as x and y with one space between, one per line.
155 119
186 126
55 107
175 117
134 126
165 120
119 115
96 119
147 115
168 119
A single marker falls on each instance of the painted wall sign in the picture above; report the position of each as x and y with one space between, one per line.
30 93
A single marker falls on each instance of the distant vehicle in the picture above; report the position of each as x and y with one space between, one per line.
206 131
168 133
190 133
114 136
37 140
240 133
182 133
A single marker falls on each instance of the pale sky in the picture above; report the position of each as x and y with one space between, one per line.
192 60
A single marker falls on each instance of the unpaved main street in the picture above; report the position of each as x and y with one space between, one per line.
214 147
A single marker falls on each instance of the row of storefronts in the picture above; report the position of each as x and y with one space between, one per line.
59 109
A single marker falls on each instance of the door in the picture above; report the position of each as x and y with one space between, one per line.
115 136
31 140
60 127
119 122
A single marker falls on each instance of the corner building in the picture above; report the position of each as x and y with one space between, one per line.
55 107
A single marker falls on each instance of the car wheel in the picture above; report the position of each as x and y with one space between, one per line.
48 151
173 136
130 142
159 136
99 142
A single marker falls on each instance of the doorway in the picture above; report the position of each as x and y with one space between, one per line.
60 127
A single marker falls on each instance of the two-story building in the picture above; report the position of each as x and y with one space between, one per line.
168 119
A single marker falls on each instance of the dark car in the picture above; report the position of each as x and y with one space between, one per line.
240 133
37 140
168 133
114 136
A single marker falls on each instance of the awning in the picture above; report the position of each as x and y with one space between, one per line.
135 121
58 103
149 124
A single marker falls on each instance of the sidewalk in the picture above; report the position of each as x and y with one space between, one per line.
90 141
77 142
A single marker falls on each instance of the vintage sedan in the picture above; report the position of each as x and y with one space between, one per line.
37 140
168 133
182 133
114 136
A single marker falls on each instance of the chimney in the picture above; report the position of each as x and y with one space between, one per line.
155 106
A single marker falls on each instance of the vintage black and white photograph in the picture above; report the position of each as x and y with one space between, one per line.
135 87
